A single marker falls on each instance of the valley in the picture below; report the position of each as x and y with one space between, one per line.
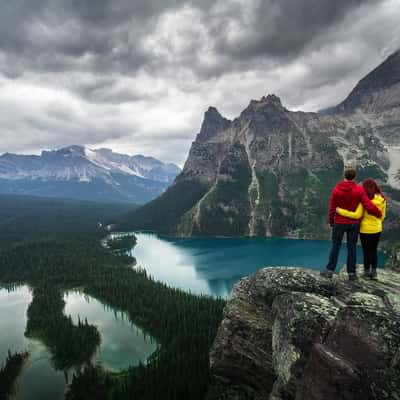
97 316
179 321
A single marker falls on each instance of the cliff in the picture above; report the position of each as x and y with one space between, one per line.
270 171
289 334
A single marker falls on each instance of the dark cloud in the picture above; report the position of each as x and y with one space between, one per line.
126 72
278 28
108 35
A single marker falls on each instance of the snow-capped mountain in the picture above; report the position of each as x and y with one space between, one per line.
80 172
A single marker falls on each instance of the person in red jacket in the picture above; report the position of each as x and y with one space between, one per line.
346 194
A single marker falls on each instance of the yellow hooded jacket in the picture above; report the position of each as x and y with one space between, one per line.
369 223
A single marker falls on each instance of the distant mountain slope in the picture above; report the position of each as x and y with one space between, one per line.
269 172
31 218
378 91
80 173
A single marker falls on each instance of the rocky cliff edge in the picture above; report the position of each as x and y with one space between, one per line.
288 334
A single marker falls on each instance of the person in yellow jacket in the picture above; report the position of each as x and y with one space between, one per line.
370 226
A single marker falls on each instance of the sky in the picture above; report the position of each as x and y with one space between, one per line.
138 75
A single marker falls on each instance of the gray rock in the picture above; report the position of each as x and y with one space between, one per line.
288 334
301 320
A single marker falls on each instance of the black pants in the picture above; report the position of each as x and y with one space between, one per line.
369 243
338 232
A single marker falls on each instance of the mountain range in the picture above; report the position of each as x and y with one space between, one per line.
270 171
81 173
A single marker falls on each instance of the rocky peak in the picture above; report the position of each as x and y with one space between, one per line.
385 75
265 101
289 334
270 106
213 123
273 99
73 150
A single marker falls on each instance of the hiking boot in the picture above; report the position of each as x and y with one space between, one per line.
353 277
367 273
373 274
326 273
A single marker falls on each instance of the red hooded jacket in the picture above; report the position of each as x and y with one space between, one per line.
348 195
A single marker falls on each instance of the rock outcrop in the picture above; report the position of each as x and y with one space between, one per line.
270 171
289 334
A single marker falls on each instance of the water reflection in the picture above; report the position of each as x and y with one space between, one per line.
122 343
213 265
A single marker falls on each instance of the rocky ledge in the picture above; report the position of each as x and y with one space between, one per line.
289 334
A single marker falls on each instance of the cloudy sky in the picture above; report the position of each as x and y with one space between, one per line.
137 75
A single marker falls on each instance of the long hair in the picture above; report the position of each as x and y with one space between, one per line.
371 188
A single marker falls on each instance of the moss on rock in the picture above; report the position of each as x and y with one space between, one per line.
289 334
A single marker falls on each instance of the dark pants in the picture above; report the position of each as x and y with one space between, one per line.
369 243
338 232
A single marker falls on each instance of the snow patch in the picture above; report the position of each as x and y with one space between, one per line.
394 168
128 170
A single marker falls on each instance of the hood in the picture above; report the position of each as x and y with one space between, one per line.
346 186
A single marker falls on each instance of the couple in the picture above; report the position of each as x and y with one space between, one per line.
354 209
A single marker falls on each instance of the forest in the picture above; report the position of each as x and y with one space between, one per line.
183 324
27 218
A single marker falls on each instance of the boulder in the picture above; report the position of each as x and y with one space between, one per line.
289 334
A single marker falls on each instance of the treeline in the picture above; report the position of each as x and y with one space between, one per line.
183 324
10 372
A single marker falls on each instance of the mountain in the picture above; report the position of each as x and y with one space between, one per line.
378 91
81 173
270 171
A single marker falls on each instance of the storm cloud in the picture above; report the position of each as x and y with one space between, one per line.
138 75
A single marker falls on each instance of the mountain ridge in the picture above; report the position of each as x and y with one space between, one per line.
269 172
79 172
385 77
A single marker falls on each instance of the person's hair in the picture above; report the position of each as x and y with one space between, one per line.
371 188
349 172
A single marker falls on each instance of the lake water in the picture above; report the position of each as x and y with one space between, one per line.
122 343
200 265
213 265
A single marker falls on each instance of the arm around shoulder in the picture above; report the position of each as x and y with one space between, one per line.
357 214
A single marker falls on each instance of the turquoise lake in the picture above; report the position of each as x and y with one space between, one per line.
122 343
213 265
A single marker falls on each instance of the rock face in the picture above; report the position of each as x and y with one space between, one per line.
378 91
269 172
289 334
